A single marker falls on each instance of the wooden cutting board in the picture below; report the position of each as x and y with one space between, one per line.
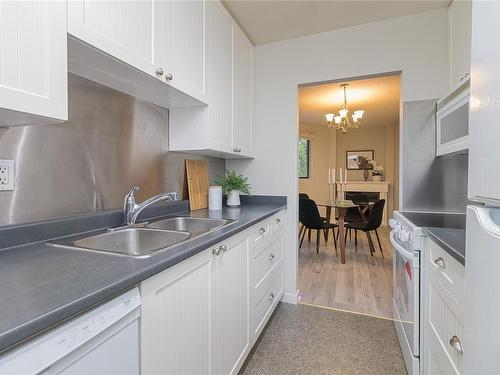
197 179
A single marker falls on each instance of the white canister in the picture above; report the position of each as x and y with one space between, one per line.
215 198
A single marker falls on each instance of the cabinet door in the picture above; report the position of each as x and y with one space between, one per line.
33 67
179 43
460 40
175 319
230 307
220 76
484 132
122 29
242 86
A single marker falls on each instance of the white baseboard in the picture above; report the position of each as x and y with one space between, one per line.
290 297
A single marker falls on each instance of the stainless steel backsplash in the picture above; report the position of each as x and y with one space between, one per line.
111 142
430 183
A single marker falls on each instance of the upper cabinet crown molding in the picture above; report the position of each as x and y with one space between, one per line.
33 73
153 50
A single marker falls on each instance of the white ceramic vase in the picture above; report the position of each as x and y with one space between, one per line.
377 178
233 198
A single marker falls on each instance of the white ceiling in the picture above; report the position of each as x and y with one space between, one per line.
267 21
378 97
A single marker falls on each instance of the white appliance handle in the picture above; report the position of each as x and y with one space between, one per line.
400 249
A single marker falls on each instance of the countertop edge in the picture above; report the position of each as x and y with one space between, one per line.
444 245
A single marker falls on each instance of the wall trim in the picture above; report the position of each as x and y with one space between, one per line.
292 298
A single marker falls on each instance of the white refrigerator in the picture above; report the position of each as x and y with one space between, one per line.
482 266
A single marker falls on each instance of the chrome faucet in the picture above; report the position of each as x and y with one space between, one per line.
132 209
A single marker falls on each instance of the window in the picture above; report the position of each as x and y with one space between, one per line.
304 152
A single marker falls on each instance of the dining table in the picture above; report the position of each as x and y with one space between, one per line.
342 206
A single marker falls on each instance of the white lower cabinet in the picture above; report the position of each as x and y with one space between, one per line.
443 313
203 315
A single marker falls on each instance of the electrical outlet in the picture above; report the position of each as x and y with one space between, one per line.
7 175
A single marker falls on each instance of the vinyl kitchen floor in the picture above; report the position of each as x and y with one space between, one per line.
358 285
301 339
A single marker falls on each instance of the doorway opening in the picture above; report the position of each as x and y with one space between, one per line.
348 150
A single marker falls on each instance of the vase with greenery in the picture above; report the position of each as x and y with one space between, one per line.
233 184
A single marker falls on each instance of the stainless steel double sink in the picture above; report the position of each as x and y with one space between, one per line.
148 239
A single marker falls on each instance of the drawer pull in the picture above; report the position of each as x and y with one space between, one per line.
223 248
456 344
271 256
262 231
216 251
271 297
278 221
439 261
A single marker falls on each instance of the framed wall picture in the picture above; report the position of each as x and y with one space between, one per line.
358 159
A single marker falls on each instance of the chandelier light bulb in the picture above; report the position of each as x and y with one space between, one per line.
329 117
337 119
359 114
343 112
354 117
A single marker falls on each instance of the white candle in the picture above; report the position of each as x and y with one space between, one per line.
329 175
345 179
340 175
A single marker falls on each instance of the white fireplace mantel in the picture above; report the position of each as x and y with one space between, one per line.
381 187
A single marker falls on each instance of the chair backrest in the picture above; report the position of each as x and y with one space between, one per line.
303 196
375 217
309 214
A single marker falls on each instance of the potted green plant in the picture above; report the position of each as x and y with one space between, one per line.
233 184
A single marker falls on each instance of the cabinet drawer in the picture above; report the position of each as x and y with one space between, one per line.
448 270
264 304
259 233
445 320
277 222
264 258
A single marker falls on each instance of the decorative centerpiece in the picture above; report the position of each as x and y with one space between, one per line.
377 171
233 184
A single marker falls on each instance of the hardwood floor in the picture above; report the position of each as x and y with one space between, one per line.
357 286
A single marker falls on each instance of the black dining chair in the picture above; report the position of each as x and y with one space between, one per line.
311 220
372 223
306 196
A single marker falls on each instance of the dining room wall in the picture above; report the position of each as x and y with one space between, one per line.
380 139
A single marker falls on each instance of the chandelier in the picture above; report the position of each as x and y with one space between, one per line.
341 121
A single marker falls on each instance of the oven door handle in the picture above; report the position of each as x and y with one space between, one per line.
408 255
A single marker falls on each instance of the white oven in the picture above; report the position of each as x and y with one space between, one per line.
406 292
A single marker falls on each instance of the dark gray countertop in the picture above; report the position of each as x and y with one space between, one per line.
42 285
452 240
446 229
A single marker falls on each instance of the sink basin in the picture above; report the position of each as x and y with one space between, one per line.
194 225
138 242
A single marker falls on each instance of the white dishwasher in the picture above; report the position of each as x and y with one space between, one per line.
102 341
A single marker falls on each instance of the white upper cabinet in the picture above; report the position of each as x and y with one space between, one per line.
242 92
123 29
459 35
484 116
153 50
224 128
33 75
179 44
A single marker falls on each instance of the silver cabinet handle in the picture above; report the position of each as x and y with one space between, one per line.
271 256
456 344
439 261
236 149
169 76
262 231
216 251
223 248
278 221
159 72
271 296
